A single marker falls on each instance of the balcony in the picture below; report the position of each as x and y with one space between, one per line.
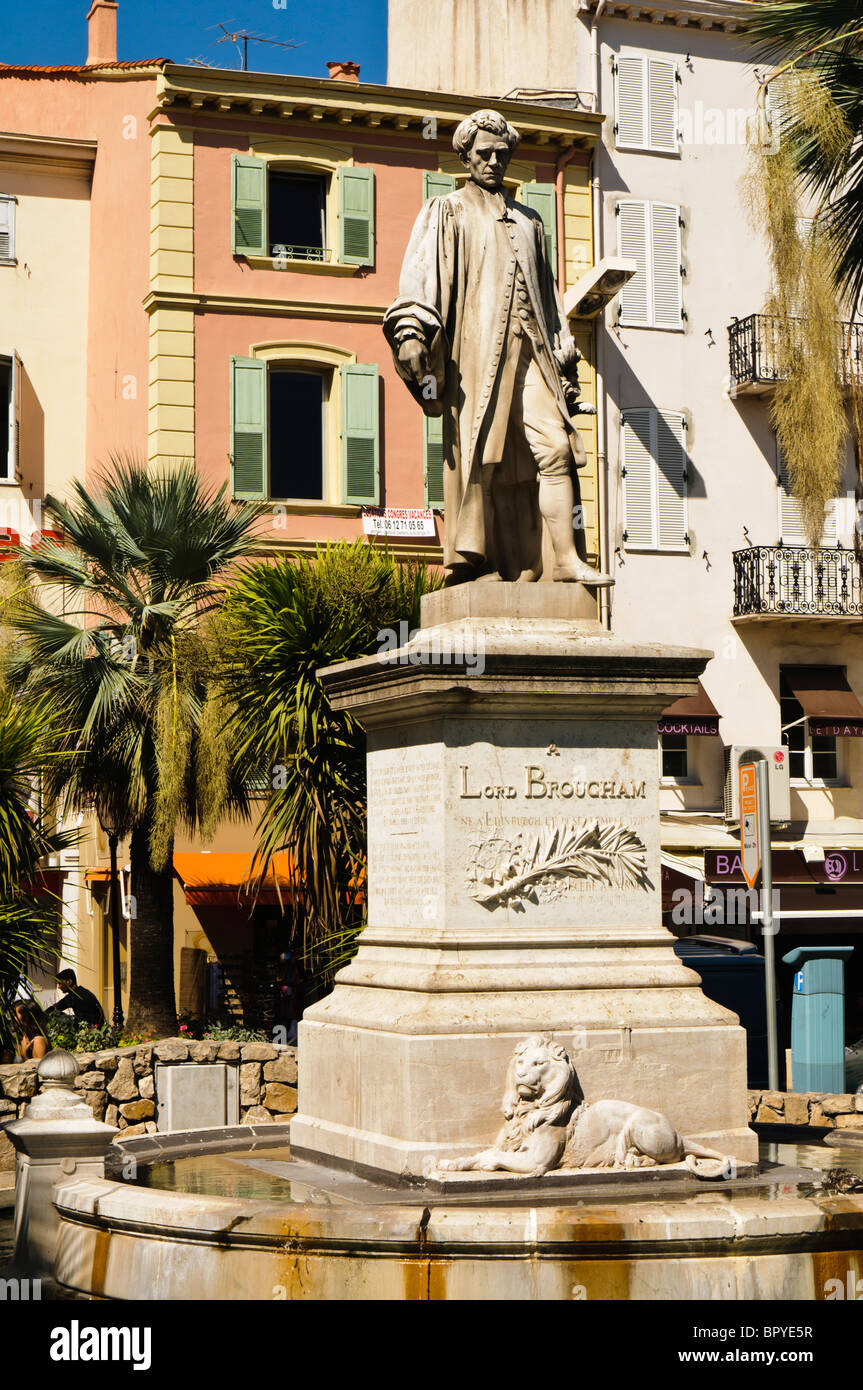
775 582
753 347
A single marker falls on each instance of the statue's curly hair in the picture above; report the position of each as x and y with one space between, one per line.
467 130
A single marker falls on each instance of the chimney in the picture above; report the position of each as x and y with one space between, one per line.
102 32
344 72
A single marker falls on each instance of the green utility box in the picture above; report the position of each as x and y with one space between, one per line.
818 1018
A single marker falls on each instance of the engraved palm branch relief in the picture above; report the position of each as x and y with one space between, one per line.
543 866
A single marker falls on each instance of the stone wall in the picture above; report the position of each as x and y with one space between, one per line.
811 1108
119 1084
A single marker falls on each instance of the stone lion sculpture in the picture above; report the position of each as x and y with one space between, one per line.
541 1092
549 1125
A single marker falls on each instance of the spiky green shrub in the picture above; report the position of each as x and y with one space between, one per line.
282 623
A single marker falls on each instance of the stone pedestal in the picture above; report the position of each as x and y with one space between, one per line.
56 1139
514 888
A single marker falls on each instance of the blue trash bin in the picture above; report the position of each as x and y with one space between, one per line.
818 1018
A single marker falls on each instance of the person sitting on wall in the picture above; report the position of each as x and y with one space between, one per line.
83 1003
30 1028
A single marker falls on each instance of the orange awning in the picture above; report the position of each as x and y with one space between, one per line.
218 878
97 875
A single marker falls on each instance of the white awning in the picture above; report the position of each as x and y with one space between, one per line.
691 867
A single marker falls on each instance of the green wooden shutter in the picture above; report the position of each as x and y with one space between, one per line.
639 478
248 427
629 123
360 449
249 206
356 216
15 403
542 197
436 184
433 460
670 457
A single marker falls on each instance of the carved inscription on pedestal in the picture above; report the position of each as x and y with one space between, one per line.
519 859
404 797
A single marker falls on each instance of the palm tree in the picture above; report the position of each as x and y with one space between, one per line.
814 49
282 623
121 651
28 920
818 46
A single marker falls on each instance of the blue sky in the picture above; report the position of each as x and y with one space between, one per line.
55 31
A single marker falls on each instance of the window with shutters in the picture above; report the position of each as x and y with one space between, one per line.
654 465
649 233
645 117
791 528
297 215
290 213
8 418
304 427
8 206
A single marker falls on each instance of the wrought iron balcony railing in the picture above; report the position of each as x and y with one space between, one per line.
796 581
755 355
279 251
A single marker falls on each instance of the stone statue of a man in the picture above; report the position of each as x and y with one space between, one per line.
480 337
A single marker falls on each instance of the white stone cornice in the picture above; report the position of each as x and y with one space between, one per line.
236 94
728 15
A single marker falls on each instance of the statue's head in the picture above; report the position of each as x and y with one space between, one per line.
484 142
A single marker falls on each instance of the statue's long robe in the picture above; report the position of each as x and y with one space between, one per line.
457 289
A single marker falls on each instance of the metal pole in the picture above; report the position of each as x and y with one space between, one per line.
115 933
762 775
767 925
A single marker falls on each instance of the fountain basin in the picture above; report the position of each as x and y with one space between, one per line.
261 1225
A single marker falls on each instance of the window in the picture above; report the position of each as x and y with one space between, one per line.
10 371
673 757
303 431
791 528
645 92
297 218
649 233
812 757
654 480
296 436
276 205
7 228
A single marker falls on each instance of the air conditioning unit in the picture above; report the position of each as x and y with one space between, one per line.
779 764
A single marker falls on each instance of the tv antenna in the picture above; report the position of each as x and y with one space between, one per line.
243 37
